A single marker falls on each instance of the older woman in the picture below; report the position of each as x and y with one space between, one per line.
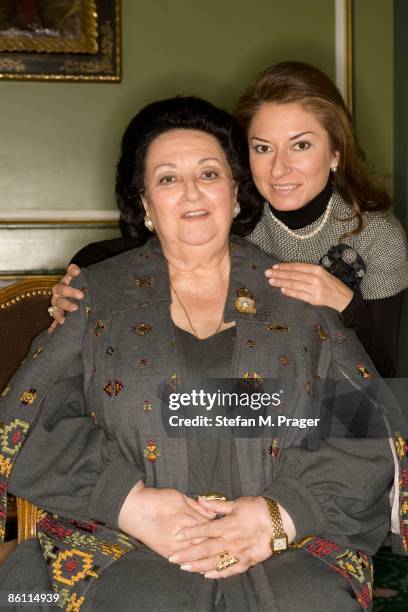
322 209
129 510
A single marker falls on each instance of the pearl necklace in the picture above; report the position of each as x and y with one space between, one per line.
310 234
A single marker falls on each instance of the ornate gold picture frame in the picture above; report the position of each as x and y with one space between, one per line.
60 40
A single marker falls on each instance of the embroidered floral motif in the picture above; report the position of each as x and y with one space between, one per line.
401 449
72 566
141 329
28 397
77 552
147 406
363 371
274 449
144 281
252 377
174 380
5 469
37 351
12 436
250 344
110 350
99 328
284 360
341 336
353 565
401 446
322 333
245 302
280 328
151 452
365 596
319 547
143 362
113 388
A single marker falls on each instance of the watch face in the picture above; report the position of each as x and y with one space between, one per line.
280 544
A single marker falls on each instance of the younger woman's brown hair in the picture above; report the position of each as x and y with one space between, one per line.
297 82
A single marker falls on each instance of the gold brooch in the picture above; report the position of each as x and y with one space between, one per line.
28 397
245 302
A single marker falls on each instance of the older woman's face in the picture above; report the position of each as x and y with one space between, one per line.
190 192
290 154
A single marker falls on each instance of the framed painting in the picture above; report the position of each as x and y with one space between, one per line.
60 40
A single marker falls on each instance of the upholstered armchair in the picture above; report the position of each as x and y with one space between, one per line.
23 315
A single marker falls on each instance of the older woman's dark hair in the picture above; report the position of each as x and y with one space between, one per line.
300 83
177 113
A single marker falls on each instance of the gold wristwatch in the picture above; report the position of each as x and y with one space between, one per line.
279 539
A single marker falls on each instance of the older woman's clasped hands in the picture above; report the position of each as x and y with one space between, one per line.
185 530
244 531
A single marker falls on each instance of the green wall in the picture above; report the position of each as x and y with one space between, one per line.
59 141
373 82
401 145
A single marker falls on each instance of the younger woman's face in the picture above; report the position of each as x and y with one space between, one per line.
290 154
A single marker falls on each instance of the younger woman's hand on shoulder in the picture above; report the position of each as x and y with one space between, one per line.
62 294
310 283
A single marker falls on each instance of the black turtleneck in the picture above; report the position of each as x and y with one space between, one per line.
365 317
301 217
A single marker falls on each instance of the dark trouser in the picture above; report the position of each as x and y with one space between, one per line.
142 580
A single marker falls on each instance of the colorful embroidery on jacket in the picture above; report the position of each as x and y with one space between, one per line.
401 449
353 565
12 435
77 552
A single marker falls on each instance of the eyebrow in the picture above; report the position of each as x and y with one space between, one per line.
172 165
300 134
206 159
291 138
167 164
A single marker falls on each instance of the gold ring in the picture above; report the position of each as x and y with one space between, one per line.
212 495
225 560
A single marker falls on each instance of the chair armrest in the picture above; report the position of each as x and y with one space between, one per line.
26 520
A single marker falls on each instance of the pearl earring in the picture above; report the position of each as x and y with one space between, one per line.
333 168
148 223
237 209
